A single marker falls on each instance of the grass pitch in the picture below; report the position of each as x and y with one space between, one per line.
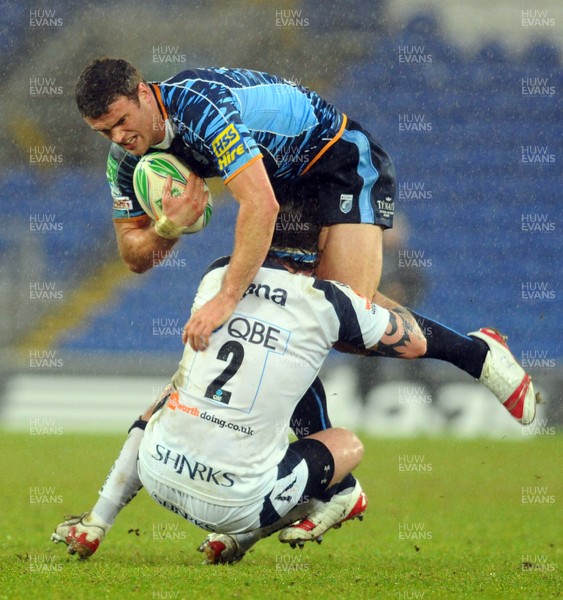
447 519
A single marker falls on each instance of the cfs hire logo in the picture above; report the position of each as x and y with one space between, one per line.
227 146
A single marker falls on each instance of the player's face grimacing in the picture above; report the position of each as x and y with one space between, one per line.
135 126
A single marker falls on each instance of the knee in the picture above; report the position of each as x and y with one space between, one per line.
352 443
344 445
359 448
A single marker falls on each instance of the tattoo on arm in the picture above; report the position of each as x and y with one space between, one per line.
401 331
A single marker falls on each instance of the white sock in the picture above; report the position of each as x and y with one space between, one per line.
122 483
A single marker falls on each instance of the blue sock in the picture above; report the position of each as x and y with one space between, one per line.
465 352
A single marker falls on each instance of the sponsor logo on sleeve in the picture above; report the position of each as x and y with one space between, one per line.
122 203
227 146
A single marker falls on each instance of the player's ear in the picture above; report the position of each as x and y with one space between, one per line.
143 91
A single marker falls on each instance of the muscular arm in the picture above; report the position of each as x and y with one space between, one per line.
254 227
253 235
139 245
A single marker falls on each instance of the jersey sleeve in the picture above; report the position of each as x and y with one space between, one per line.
210 121
119 173
361 323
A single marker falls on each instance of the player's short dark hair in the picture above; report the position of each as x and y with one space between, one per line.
102 82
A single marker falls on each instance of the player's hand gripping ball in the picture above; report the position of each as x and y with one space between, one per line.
149 179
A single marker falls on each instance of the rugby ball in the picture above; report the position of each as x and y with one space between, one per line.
149 179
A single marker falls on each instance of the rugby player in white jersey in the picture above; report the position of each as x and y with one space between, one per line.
215 449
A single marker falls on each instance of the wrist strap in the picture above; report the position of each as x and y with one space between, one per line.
165 228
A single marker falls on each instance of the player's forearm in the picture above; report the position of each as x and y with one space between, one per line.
254 228
253 237
142 249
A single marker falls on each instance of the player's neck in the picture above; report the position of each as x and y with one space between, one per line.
160 115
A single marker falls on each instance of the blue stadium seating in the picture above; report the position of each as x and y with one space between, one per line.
68 210
14 20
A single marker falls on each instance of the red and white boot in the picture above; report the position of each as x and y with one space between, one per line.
506 379
326 515
221 549
82 534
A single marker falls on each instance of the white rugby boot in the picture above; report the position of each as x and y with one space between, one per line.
220 548
82 534
326 515
506 379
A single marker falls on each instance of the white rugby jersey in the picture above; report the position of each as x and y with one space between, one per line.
221 436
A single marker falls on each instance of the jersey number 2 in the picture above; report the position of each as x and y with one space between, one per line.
215 390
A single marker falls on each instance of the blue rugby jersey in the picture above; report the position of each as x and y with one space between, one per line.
224 119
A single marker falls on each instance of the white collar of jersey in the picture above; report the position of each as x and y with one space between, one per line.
169 134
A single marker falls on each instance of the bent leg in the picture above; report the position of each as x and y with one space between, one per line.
346 448
122 482
352 254
83 534
342 500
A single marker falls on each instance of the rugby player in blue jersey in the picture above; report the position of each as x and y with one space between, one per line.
279 148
